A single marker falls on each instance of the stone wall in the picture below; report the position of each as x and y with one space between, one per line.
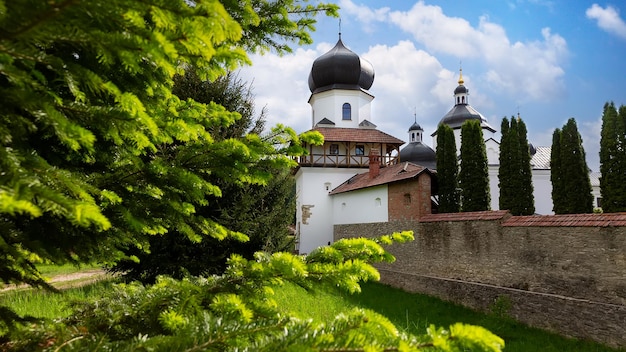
570 279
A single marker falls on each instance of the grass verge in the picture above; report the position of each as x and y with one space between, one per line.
415 312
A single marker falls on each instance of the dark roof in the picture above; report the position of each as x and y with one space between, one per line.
460 89
419 153
325 121
365 135
389 174
340 68
461 113
415 127
570 220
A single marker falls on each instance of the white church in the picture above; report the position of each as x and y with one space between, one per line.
360 174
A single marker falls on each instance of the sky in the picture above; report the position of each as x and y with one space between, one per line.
548 60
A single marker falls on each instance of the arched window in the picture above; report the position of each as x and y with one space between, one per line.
463 99
346 112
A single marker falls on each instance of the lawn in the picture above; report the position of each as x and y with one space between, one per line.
415 312
410 312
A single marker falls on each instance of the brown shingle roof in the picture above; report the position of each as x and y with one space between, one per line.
571 220
389 174
474 215
365 135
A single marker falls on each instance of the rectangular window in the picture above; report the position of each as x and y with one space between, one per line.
359 150
334 149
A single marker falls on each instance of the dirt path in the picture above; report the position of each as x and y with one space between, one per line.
64 281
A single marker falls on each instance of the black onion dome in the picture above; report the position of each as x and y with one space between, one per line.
419 153
461 113
415 127
460 89
340 68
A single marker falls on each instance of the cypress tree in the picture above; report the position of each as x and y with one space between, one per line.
447 170
505 170
612 161
474 175
575 186
525 201
556 174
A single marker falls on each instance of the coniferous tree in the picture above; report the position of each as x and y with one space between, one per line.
574 181
97 153
474 174
447 170
613 159
556 174
506 168
525 204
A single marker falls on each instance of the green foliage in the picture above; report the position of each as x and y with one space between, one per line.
447 170
613 158
474 174
273 200
514 174
237 311
97 152
571 188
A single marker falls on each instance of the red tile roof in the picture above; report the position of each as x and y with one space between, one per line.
389 174
573 220
366 135
469 216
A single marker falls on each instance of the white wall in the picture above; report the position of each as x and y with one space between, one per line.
361 206
542 192
311 194
329 104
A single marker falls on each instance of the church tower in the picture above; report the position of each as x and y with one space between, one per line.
461 112
340 101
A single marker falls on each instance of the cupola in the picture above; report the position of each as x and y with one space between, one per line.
340 68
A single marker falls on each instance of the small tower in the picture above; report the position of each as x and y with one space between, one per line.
416 151
461 112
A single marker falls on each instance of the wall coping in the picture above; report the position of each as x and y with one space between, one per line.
469 216
568 220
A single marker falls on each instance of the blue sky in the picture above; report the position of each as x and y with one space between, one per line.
549 60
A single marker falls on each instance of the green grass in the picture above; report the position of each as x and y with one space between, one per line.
410 312
415 312
43 304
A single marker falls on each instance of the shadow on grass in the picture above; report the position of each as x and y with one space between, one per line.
415 312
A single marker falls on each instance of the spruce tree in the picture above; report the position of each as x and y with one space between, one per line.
474 174
97 152
574 184
447 170
613 159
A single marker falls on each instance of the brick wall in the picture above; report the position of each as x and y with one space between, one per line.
570 279
409 200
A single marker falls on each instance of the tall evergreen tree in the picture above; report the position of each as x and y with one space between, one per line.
474 174
447 170
525 200
575 187
274 203
97 153
506 168
613 159
556 174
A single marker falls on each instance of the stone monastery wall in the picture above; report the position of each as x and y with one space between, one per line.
564 273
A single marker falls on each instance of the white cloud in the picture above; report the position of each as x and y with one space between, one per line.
608 19
530 70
